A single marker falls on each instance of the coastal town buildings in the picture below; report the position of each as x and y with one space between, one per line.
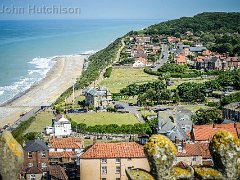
110 160
99 98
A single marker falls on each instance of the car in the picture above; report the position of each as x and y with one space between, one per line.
118 106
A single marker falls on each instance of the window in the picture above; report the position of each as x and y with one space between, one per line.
117 178
104 178
29 154
30 165
43 154
118 160
44 165
104 161
194 158
32 176
104 170
118 170
129 159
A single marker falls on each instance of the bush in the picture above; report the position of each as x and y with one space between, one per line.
108 72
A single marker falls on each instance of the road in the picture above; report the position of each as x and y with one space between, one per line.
131 109
163 57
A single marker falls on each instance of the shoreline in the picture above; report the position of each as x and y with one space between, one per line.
58 79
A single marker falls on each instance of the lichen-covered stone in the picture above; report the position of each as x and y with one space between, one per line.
11 156
208 173
160 152
225 151
138 174
179 173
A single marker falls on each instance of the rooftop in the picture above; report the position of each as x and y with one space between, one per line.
114 150
196 149
66 143
57 172
205 132
62 154
35 145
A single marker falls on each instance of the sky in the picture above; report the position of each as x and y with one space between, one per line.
112 9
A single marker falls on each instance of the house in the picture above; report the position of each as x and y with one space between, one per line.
203 133
213 63
111 160
181 59
35 159
173 39
232 112
99 98
66 145
169 127
184 119
140 62
66 152
193 154
197 49
233 62
61 126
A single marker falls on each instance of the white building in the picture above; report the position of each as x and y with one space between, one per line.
60 127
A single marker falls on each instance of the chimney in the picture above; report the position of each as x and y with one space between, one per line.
214 126
94 140
184 145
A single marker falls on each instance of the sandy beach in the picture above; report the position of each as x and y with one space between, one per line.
63 74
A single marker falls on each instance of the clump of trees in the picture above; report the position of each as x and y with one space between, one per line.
208 116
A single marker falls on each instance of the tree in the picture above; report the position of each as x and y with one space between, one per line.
208 116
32 136
191 92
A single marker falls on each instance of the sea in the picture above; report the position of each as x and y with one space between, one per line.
27 47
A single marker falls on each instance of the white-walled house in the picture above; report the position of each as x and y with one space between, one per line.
61 126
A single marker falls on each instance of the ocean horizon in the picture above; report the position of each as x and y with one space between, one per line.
27 47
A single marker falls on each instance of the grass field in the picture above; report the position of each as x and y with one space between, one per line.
122 77
194 108
177 82
43 119
104 118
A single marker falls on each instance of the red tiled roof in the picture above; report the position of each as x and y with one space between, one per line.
206 132
181 59
197 149
62 154
114 150
68 143
58 172
34 170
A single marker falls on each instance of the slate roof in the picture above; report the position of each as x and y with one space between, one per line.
35 145
95 92
197 49
114 150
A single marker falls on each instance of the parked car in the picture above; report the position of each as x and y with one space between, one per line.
118 106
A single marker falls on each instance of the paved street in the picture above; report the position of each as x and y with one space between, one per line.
163 58
131 109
